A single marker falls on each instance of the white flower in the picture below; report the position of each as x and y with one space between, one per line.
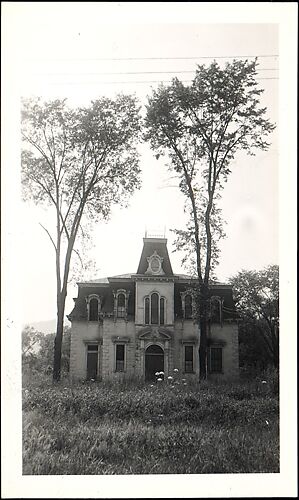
170 377
157 373
151 385
267 422
175 370
159 379
264 382
183 380
161 373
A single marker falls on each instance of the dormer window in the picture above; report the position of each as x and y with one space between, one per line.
187 305
121 299
155 264
216 304
121 303
154 309
93 303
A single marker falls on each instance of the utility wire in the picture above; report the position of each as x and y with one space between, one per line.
157 58
135 72
137 82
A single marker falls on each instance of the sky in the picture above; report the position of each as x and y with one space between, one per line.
57 50
74 64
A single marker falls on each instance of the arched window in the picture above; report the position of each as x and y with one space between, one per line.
93 303
146 310
93 310
162 310
216 304
188 307
121 305
121 301
154 309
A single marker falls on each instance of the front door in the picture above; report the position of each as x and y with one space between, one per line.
154 361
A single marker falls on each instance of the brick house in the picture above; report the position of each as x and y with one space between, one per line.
133 325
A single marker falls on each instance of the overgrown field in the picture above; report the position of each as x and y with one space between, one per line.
96 428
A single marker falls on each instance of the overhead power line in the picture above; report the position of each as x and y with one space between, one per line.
136 72
137 82
158 58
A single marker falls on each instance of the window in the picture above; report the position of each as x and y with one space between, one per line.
93 307
216 359
188 307
119 357
154 309
121 300
162 307
154 264
187 304
94 310
121 305
189 358
92 361
146 310
216 304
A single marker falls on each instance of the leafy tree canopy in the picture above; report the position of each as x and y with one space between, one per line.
257 301
200 128
81 162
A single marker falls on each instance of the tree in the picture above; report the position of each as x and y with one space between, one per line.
80 162
257 301
200 128
37 350
45 353
31 339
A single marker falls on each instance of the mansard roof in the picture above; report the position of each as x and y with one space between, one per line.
154 248
150 246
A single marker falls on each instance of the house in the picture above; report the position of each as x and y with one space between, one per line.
134 325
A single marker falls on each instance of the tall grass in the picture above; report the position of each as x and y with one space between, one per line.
119 429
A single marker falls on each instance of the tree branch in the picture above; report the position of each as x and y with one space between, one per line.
48 233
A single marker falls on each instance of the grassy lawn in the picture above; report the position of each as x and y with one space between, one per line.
97 428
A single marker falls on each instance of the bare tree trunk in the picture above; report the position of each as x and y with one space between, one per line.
203 323
61 298
58 339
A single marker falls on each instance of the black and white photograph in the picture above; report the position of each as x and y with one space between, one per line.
149 250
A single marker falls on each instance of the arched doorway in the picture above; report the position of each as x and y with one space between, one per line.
154 361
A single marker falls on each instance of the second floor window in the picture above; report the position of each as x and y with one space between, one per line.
94 310
154 310
93 303
121 305
146 310
188 307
